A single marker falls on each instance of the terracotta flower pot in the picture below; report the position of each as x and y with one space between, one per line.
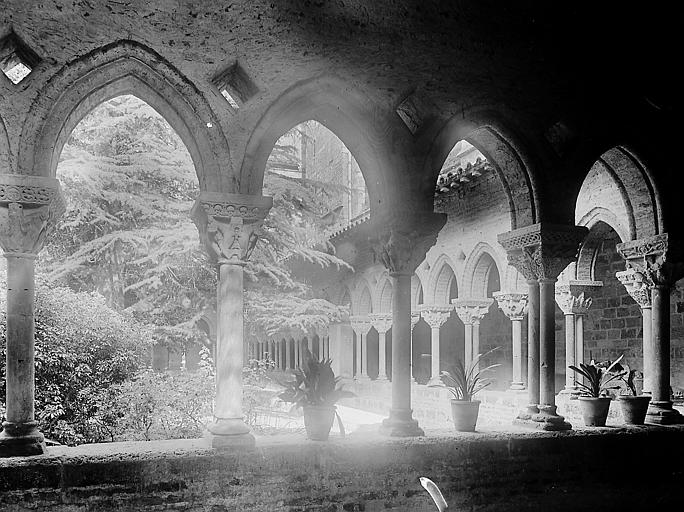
464 414
634 408
318 420
595 410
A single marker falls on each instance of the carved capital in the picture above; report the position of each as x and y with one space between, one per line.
574 297
381 321
636 285
401 241
658 258
471 311
30 207
435 315
361 324
513 304
542 251
229 224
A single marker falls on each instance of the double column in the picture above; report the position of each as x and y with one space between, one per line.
382 323
471 312
361 326
29 209
573 298
228 225
435 315
401 241
540 252
514 306
657 263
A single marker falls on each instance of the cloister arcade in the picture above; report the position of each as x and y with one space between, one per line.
514 200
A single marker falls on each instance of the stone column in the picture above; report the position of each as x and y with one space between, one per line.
542 251
514 306
435 315
361 325
573 299
471 312
288 353
29 209
638 289
228 225
401 242
382 323
415 318
659 261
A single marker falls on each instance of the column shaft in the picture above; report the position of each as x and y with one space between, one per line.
401 343
570 352
359 349
517 382
648 358
434 377
533 345
547 342
288 354
468 345
364 356
579 345
660 296
475 351
382 355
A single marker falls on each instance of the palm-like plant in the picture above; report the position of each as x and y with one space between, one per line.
598 377
463 381
314 384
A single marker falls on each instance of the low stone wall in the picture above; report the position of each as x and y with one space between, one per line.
605 469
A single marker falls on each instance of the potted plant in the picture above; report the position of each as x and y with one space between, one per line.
594 394
633 406
463 382
316 390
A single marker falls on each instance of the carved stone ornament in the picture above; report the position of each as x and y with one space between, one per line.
415 318
229 224
471 311
636 285
361 324
573 297
542 251
435 315
30 207
381 321
513 304
401 242
658 258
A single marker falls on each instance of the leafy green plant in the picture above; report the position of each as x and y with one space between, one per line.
599 376
628 376
464 381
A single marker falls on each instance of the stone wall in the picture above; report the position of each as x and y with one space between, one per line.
364 472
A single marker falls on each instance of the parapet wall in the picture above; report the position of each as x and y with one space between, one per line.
608 469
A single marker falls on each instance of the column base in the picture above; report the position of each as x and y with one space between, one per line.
548 419
517 386
229 433
662 413
401 424
362 378
435 381
382 378
526 414
21 439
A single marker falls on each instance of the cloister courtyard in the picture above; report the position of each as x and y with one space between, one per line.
199 199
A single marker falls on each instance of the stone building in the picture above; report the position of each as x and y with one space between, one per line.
574 203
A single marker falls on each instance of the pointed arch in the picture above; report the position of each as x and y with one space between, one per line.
360 124
364 303
417 291
442 280
124 67
479 265
385 296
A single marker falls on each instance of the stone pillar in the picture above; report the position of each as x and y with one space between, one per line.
573 299
471 312
361 325
659 261
435 315
514 306
400 244
638 289
541 251
228 225
415 318
29 209
382 323
288 353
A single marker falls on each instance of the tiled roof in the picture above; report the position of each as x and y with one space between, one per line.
453 177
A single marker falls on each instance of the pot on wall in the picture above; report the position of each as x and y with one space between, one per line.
595 410
318 421
634 408
464 414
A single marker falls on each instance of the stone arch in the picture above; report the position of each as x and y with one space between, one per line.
477 270
361 126
442 280
364 303
488 132
124 67
417 291
592 246
619 190
385 296
5 153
